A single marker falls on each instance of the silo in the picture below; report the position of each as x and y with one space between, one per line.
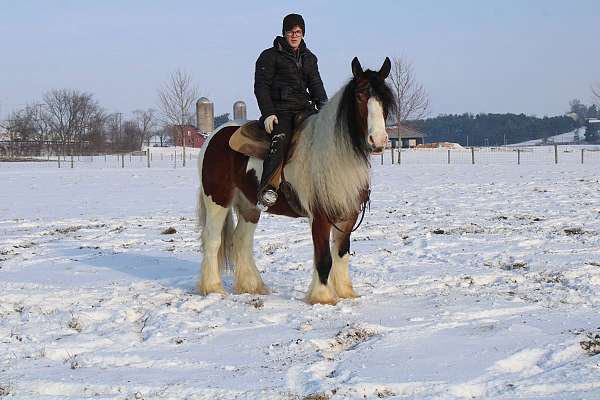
205 115
239 111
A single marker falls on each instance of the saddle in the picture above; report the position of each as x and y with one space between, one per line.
252 140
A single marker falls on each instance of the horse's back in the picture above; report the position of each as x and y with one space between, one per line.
222 168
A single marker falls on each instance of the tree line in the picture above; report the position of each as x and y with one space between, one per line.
71 121
67 121
491 129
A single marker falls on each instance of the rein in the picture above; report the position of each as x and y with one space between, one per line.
364 205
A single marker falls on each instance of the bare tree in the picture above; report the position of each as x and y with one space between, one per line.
177 97
412 101
69 114
146 123
596 93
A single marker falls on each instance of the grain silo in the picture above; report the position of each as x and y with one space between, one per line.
239 111
205 115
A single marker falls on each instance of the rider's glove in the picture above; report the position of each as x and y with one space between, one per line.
269 121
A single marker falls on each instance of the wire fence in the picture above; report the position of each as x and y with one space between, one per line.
174 158
567 154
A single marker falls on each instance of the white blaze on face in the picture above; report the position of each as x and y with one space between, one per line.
378 137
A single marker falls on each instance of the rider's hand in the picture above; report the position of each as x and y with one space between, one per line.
269 121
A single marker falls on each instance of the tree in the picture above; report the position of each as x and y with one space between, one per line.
114 130
579 109
146 124
592 132
596 94
177 97
221 119
412 101
70 114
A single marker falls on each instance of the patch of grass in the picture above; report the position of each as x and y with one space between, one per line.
257 303
316 396
592 344
574 231
75 324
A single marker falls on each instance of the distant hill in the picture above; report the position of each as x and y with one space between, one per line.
492 129
573 136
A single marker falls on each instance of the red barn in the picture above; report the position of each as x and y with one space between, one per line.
193 137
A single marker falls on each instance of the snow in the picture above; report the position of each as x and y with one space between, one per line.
475 281
567 137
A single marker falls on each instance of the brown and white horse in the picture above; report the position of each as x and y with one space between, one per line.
328 166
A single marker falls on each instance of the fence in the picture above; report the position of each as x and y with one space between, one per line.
163 158
568 154
173 157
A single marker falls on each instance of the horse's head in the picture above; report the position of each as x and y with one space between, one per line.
367 100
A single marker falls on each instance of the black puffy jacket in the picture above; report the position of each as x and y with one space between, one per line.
286 81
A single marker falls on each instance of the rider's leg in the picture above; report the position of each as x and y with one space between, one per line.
280 140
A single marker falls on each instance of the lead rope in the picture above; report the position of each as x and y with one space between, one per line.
364 205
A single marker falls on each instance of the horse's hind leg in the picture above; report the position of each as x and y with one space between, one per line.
210 275
245 274
340 249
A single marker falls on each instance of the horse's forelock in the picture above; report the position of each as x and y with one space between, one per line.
348 119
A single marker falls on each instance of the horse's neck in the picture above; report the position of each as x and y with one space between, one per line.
324 168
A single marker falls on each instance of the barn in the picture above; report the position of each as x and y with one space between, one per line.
193 137
405 136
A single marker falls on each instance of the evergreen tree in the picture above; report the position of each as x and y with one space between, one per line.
221 119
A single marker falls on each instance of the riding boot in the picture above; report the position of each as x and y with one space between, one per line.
267 195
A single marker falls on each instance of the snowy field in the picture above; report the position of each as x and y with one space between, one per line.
476 282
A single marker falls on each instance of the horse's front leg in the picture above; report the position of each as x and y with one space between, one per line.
340 248
321 291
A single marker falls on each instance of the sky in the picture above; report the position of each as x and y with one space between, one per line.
514 56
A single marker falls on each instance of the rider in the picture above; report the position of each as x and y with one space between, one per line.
286 83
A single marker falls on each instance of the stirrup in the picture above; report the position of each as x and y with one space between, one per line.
266 199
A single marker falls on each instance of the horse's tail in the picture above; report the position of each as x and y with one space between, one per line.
226 249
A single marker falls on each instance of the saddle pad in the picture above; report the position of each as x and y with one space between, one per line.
251 139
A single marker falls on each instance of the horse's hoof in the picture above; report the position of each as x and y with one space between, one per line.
205 290
346 293
322 295
262 289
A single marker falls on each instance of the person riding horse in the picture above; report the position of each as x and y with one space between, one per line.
287 85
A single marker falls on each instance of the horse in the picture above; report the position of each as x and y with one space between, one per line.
327 166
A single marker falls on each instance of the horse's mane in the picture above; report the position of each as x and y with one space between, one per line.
334 174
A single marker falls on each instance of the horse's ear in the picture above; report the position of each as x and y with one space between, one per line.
357 70
385 68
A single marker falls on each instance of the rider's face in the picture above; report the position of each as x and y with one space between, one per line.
294 37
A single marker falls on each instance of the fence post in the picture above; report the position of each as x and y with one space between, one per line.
105 159
382 156
582 150
399 154
448 156
392 153
72 160
122 160
518 156
148 157
58 160
555 154
472 155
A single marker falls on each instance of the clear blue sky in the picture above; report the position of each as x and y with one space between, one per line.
472 56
